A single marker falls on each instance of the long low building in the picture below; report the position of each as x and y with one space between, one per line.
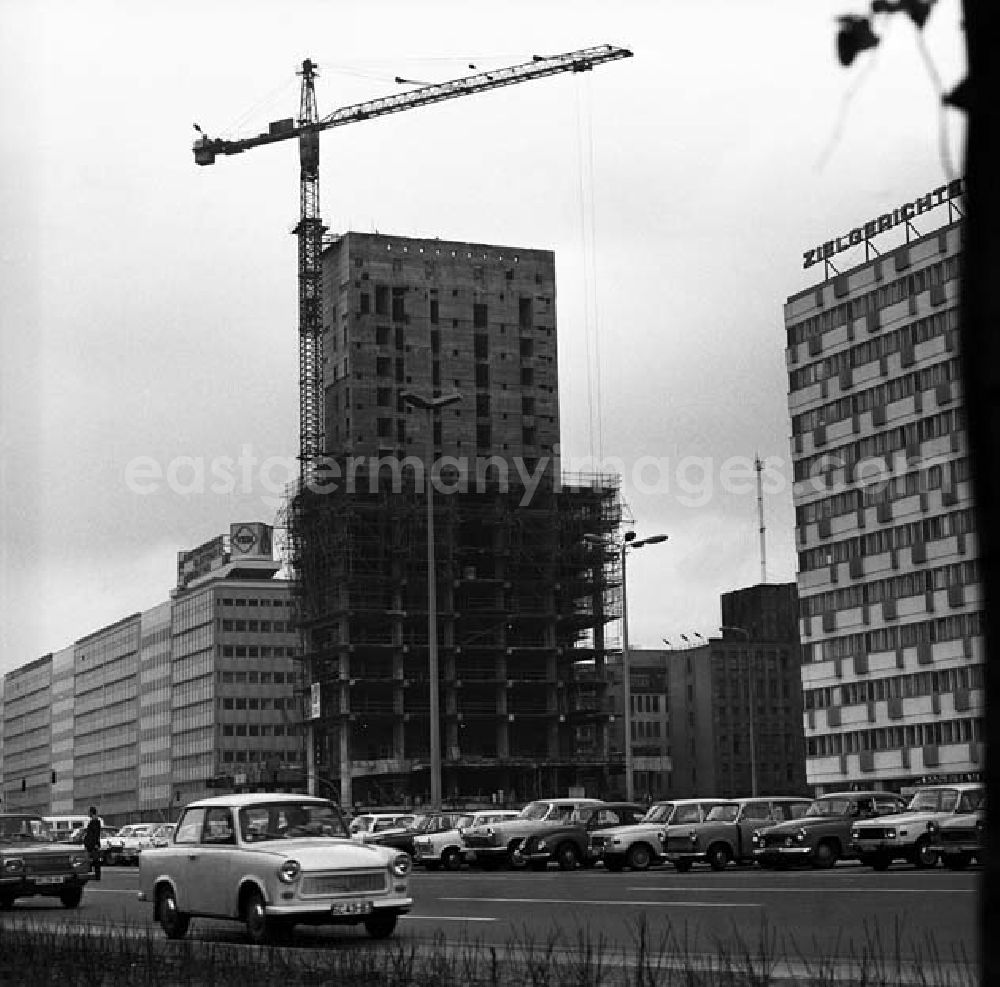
159 707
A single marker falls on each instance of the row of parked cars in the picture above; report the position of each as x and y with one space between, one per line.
939 823
123 846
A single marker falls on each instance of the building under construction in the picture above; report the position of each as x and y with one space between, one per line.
522 596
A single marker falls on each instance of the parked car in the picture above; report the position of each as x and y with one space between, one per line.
423 823
445 848
494 844
640 845
960 839
364 826
130 841
271 861
569 844
909 836
162 834
822 836
33 863
727 832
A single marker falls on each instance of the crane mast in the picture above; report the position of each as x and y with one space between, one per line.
310 229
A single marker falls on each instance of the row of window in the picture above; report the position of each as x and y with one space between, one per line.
879 445
895 738
885 491
955 627
901 340
893 588
260 730
259 702
245 756
895 687
645 728
878 396
873 301
888 539
191 611
259 626
253 601
258 678
260 651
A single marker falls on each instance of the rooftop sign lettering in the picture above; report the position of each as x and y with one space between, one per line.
881 224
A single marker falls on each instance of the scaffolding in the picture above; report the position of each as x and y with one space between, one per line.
523 600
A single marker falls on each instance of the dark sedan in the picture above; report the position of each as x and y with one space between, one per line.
569 845
422 825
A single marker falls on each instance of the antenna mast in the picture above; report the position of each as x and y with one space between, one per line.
759 466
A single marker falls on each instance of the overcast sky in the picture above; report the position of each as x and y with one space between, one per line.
149 306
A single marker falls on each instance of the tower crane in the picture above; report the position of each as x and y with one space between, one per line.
309 230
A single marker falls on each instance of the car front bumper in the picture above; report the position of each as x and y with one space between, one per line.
42 884
322 911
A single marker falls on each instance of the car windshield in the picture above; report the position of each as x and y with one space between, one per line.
463 821
422 822
831 807
972 801
26 829
288 820
934 800
536 810
685 814
723 813
658 813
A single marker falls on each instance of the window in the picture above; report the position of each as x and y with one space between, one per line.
434 311
219 826
365 301
190 826
381 300
479 316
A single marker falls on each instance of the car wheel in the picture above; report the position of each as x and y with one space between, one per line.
172 920
451 859
825 855
924 855
957 861
614 865
259 929
71 898
567 856
682 866
639 857
718 856
381 925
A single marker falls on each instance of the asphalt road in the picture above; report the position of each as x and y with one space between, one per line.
847 914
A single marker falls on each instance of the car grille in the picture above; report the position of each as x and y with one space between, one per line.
873 833
778 839
354 883
50 863
598 843
946 836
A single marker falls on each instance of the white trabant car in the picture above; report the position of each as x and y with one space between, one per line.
445 849
367 825
271 861
911 834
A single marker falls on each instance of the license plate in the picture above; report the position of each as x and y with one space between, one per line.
351 908
49 880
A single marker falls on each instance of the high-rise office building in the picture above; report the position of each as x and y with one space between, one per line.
889 580
521 597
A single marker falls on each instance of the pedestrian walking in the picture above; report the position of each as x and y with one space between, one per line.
92 842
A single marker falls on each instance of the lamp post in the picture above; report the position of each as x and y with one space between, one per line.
430 406
628 541
750 699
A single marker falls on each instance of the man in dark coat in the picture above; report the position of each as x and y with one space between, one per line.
92 842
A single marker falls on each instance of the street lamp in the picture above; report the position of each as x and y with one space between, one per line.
750 698
430 406
628 541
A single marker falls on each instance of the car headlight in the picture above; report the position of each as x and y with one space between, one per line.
401 865
79 860
289 871
891 833
801 835
541 845
490 832
932 828
13 865
756 838
693 837
855 834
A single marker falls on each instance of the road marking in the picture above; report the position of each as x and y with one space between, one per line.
813 890
448 918
609 901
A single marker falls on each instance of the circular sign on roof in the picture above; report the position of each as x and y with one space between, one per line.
244 538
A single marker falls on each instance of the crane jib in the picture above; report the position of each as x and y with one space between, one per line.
206 148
